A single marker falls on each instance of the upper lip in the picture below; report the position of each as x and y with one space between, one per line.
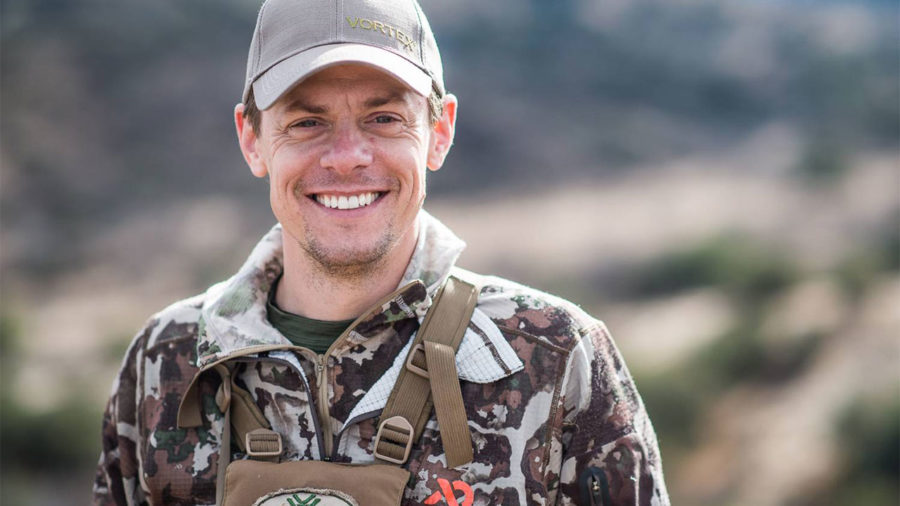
347 193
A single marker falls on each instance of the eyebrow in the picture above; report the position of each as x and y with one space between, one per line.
394 96
299 105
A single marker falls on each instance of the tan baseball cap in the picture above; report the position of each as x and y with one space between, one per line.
295 38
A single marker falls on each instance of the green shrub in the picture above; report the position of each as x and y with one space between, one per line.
868 435
822 162
870 260
743 267
63 438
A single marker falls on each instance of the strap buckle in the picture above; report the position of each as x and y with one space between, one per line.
263 443
414 356
394 438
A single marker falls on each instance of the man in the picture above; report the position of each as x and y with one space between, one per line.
344 110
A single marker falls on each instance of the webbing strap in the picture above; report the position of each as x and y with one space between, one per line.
433 380
243 418
223 399
448 403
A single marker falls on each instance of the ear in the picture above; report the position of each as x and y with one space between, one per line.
248 141
442 134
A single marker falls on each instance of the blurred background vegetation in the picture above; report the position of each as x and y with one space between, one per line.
718 180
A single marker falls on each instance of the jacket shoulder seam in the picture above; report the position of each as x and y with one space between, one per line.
534 338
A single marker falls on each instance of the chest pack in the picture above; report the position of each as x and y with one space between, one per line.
428 379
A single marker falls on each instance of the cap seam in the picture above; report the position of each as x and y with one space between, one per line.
421 33
260 45
338 11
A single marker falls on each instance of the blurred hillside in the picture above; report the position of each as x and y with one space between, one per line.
719 181
117 109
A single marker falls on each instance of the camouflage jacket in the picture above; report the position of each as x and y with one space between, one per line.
553 412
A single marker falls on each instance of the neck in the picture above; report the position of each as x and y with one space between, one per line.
308 289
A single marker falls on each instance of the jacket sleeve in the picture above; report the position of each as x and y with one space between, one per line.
117 480
610 453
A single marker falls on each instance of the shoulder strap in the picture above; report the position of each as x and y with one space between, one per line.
430 378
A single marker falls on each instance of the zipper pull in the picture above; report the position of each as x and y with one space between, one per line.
594 487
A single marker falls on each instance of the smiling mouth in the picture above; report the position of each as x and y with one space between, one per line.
345 201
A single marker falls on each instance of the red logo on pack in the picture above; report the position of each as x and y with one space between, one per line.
448 493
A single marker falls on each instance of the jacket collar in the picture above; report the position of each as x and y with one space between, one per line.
234 323
233 320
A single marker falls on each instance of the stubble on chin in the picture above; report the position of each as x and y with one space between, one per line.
348 265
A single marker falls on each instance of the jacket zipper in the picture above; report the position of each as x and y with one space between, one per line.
322 405
595 489
594 484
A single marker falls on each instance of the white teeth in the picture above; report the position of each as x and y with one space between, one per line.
344 202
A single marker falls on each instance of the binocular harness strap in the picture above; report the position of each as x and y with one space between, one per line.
430 378
251 430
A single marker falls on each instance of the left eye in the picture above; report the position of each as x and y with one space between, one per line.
383 119
306 123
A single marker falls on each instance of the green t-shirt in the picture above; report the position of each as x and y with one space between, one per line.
316 335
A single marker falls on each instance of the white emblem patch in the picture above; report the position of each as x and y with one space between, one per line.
306 497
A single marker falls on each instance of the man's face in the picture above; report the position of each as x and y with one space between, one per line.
346 153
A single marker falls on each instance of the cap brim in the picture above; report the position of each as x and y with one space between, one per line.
276 81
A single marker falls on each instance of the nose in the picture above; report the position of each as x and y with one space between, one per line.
348 149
